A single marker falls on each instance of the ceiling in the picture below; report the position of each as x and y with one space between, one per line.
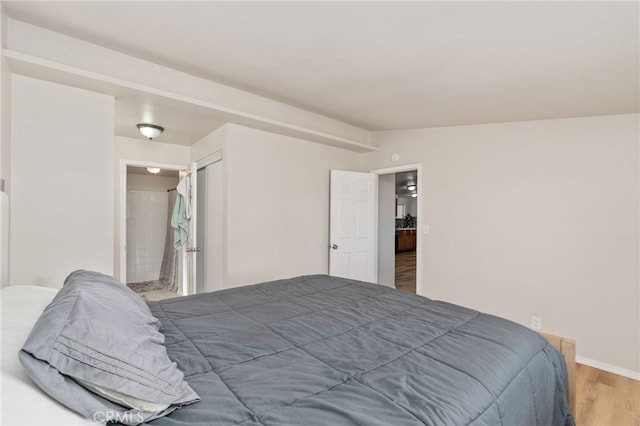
184 124
403 179
163 172
377 65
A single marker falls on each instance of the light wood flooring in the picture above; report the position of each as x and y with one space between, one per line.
406 271
606 399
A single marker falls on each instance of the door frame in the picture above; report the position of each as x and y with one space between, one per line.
419 227
124 164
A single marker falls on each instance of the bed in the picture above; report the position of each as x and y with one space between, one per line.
320 350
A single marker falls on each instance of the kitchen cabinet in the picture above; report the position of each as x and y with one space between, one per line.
405 240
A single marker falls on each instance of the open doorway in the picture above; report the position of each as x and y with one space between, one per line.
406 220
148 260
399 220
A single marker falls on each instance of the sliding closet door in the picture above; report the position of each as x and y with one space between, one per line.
209 228
214 238
201 229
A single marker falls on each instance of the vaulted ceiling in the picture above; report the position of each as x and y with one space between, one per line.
383 65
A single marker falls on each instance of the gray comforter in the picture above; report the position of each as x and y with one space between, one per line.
320 350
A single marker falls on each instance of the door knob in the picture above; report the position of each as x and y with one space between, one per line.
334 246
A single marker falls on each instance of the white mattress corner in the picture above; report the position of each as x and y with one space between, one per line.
22 401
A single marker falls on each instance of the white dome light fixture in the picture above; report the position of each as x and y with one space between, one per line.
150 130
153 170
414 194
412 187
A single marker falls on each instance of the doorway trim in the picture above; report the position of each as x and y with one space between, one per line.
420 230
124 164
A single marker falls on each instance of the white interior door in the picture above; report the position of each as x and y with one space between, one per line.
352 225
209 250
201 225
214 251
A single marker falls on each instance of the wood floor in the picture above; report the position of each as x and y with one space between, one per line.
406 271
606 399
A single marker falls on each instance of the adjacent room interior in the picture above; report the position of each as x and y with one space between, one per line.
151 258
406 230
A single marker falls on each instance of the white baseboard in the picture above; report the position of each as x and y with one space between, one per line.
635 375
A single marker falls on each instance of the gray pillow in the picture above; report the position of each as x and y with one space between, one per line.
97 334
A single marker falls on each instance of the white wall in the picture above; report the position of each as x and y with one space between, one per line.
410 205
61 182
5 125
5 154
213 142
387 229
278 204
149 182
150 152
535 218
275 197
275 202
5 106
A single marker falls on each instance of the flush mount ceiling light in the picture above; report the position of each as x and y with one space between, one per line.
153 170
411 187
414 194
150 130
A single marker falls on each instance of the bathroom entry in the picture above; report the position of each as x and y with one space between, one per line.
150 257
